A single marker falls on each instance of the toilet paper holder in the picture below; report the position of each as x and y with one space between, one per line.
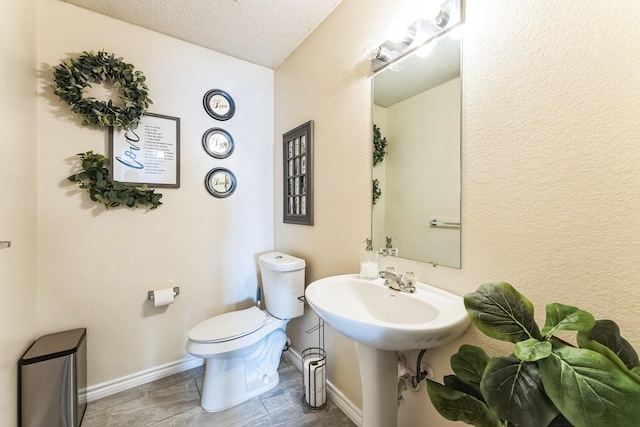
151 295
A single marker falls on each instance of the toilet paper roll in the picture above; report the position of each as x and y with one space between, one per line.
314 376
163 297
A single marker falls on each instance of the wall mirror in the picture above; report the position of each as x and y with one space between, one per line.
416 106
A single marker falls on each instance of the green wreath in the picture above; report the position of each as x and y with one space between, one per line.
72 76
379 145
94 178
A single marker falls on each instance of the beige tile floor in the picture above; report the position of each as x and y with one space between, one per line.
175 402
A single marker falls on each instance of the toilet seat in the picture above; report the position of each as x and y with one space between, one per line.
228 326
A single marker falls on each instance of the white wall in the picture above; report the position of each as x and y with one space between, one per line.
18 189
550 161
96 266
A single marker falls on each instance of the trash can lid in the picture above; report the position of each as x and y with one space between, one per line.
53 346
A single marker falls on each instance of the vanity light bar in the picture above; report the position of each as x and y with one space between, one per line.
418 34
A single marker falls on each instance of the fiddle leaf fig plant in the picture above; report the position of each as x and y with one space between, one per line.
546 381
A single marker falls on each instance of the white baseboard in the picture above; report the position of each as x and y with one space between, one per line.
108 388
352 411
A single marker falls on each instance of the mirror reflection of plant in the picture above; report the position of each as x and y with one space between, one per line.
545 382
377 192
379 151
94 178
379 145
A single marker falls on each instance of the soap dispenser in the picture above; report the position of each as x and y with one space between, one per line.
368 262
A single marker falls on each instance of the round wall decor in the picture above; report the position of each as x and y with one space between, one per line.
219 104
217 143
220 182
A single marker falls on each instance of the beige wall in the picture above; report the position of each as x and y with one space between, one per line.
96 266
550 167
18 187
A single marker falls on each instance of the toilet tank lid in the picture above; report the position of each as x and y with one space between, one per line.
277 261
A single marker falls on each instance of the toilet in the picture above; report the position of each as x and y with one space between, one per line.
242 348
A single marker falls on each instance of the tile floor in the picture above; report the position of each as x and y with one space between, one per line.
175 402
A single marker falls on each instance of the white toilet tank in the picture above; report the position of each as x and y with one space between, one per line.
283 284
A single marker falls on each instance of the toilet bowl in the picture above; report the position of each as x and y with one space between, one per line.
242 348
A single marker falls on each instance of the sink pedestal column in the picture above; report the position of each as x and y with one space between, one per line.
379 377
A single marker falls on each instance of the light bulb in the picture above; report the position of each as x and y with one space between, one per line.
396 32
371 49
429 9
441 20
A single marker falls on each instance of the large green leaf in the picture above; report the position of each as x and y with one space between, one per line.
469 364
457 406
531 350
501 312
607 333
455 383
608 353
513 389
562 317
589 389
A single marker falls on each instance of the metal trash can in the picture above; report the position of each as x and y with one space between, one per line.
52 380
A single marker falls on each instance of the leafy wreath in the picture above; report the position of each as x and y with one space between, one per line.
94 178
379 145
379 151
72 76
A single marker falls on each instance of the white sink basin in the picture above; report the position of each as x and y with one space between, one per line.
374 315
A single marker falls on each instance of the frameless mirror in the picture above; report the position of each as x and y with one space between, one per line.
416 106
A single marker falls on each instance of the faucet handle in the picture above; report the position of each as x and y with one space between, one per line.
391 269
410 278
410 281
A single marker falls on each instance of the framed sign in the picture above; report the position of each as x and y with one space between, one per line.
148 154
217 143
220 182
298 175
219 104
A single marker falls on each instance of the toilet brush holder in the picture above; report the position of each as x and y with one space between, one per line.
314 371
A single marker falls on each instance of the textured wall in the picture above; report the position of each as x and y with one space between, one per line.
550 167
96 266
18 189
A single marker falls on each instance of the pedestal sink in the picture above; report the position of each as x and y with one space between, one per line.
383 321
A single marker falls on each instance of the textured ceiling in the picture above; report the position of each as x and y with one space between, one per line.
263 32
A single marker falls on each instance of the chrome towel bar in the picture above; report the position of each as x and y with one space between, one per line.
434 223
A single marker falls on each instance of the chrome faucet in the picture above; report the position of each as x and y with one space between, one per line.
398 282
